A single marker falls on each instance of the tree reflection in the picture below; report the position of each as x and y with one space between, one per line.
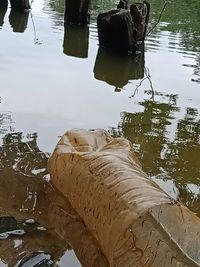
165 156
182 156
22 156
22 196
181 18
148 129
5 122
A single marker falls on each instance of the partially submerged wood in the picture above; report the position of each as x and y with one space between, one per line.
77 12
20 4
122 29
140 15
134 222
68 224
115 30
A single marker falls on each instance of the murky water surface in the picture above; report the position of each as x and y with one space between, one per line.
55 78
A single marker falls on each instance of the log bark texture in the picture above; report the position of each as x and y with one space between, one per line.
134 222
121 29
115 30
77 11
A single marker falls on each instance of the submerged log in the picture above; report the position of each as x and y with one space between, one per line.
69 225
76 41
133 220
77 12
20 4
121 29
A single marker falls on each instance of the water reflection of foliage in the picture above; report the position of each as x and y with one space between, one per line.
5 122
182 157
148 129
176 156
181 17
22 166
21 156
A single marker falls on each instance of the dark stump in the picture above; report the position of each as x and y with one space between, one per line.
122 29
77 12
115 29
3 9
20 4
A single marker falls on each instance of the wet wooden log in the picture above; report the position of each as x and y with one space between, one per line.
20 4
77 12
140 15
115 30
133 220
122 29
123 4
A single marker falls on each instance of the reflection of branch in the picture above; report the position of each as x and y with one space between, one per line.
136 89
147 72
148 77
36 41
159 18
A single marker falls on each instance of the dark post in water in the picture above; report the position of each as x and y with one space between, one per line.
77 12
3 9
122 29
20 4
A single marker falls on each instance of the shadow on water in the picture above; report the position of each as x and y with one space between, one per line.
178 155
3 10
76 41
18 20
117 70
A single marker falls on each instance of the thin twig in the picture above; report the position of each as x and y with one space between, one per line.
147 77
159 18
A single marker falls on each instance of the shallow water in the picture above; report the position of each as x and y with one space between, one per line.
53 79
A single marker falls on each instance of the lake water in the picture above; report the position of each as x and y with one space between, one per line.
55 78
